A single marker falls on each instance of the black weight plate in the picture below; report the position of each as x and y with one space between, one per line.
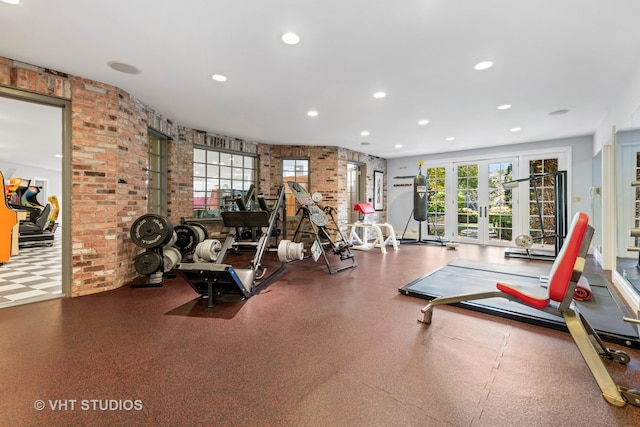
188 238
148 263
151 231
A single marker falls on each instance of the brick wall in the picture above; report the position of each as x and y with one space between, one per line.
130 180
109 158
327 175
94 219
27 77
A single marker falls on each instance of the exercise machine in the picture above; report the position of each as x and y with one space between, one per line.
40 224
8 220
525 242
318 223
379 239
210 276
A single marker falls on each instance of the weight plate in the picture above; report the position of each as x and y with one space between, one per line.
205 233
169 234
148 263
172 240
151 231
188 238
318 216
172 258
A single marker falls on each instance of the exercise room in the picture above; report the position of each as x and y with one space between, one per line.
320 213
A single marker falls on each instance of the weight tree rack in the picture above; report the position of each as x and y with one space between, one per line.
153 233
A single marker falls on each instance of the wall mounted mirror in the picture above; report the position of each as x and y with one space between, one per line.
627 209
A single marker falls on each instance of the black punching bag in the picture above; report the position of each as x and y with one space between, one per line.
420 195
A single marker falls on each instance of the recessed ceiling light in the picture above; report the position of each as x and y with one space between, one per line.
291 38
558 112
10 1
219 77
515 129
449 138
398 146
364 133
123 68
483 65
57 155
312 113
379 95
504 106
423 122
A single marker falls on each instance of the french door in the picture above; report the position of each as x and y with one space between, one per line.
484 208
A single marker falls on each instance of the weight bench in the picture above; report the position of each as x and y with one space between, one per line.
379 240
557 299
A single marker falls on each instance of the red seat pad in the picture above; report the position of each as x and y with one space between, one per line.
364 208
534 296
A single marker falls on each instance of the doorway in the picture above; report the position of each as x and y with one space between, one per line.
355 174
36 131
484 208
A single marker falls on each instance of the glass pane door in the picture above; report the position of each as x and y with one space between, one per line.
436 180
468 194
500 215
484 207
354 190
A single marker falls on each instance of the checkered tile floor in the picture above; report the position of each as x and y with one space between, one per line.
32 275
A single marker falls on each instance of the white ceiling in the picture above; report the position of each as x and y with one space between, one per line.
578 55
30 134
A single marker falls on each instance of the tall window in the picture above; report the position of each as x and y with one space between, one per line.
500 201
294 170
157 172
468 200
436 201
218 177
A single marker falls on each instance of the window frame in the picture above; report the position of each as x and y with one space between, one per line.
209 200
157 172
289 197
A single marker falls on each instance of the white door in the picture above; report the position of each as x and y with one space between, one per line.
484 209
